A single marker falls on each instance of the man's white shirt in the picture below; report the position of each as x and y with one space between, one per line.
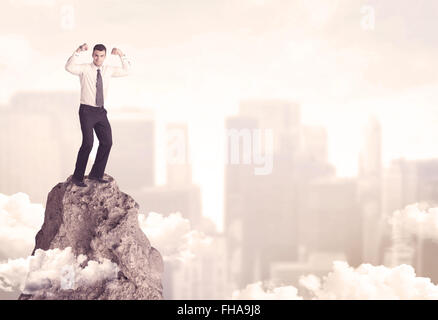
87 73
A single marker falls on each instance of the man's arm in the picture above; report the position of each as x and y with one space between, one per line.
72 66
126 64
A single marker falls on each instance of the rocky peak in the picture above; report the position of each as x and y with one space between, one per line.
99 222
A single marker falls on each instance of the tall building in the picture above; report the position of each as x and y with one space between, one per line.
402 246
311 161
179 194
261 210
281 116
37 132
204 276
399 189
408 182
370 190
400 185
426 260
330 218
132 157
314 142
240 193
427 187
178 165
166 200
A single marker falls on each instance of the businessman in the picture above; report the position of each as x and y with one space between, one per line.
94 78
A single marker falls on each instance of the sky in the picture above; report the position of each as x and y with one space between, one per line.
193 61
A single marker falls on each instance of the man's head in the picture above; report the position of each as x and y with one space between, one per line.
99 54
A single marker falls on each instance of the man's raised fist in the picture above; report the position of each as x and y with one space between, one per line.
117 51
83 47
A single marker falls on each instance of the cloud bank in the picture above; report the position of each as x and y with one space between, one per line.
53 268
173 236
417 220
366 282
256 291
370 282
20 221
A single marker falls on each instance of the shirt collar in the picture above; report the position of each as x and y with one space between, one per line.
96 67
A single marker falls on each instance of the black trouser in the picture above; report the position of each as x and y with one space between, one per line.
93 118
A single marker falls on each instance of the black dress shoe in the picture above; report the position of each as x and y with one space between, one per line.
77 182
98 179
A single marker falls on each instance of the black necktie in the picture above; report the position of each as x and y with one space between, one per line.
99 90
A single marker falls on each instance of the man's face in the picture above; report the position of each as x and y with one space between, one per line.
98 57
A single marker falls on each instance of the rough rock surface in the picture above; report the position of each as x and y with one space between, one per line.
100 221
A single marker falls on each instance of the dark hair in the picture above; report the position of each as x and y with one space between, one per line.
99 47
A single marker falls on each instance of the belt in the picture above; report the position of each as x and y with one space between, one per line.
92 107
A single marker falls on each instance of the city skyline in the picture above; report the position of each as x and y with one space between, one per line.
198 72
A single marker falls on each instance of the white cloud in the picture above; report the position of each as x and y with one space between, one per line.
13 274
417 221
173 236
20 221
370 282
255 291
54 267
366 282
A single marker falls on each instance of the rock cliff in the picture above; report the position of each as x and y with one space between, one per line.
99 222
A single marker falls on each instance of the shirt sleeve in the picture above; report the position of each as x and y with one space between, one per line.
72 66
124 69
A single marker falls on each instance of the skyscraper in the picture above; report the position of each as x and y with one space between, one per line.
370 190
37 139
